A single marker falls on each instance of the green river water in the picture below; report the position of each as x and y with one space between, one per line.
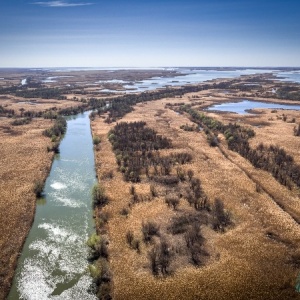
53 263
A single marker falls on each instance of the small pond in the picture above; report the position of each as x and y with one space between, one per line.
243 106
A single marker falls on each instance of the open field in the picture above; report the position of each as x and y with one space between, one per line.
256 258
24 159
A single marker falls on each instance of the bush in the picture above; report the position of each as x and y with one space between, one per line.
124 211
23 121
160 258
190 174
153 191
102 219
38 188
101 275
149 229
99 197
129 238
58 129
98 246
221 218
107 175
172 200
96 140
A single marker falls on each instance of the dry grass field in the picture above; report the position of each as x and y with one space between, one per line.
21 105
257 257
24 159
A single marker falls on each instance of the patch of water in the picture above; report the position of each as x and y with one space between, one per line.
51 79
187 76
244 105
292 76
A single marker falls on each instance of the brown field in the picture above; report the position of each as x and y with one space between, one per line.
20 104
256 258
24 159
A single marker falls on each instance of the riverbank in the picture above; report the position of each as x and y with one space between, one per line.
24 159
264 237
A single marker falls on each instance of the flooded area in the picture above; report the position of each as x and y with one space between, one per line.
243 106
293 76
53 263
54 79
186 76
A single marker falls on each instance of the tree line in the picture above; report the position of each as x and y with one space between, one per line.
272 158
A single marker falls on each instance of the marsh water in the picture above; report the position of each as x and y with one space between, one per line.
184 76
243 106
53 263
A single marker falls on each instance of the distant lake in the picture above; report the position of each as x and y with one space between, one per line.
244 105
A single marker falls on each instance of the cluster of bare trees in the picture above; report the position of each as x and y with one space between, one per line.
269 158
136 145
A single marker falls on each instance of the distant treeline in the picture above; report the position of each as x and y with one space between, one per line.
44 93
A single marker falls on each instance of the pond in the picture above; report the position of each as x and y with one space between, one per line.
53 263
242 106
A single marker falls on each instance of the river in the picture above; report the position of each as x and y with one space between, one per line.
53 263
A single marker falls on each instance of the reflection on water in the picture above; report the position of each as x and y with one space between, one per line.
53 264
242 106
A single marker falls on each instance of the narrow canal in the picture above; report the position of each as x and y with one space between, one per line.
53 263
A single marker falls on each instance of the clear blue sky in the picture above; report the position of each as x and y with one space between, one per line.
142 33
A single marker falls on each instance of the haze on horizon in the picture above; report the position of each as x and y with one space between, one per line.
90 33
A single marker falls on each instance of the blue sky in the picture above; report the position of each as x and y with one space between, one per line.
149 33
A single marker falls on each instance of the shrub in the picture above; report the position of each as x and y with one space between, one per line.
172 200
102 219
38 188
153 191
190 174
129 238
99 196
149 229
166 180
160 258
180 173
107 175
96 140
93 240
136 245
221 218
124 211
23 121
58 129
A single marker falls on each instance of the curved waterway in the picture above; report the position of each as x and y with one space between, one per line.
53 263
